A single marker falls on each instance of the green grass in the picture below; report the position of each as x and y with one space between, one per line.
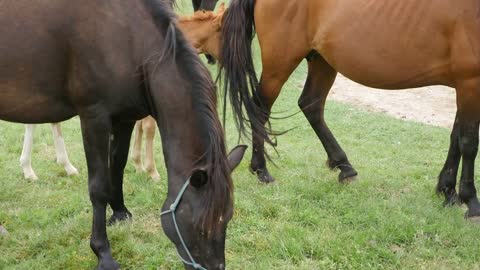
389 219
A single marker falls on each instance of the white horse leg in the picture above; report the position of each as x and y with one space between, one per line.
149 126
137 147
61 151
26 157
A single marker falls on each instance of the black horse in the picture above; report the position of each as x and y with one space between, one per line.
113 62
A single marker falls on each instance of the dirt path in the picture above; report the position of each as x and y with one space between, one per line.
434 105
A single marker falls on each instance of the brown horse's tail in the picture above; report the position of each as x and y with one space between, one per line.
238 70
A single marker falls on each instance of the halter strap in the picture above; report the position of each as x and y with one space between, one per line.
173 208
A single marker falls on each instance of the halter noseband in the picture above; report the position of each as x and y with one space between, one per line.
173 208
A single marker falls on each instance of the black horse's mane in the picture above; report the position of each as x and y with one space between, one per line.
219 188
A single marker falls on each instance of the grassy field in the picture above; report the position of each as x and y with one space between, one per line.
389 219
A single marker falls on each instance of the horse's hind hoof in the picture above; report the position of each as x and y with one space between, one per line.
108 265
119 216
473 215
475 219
264 176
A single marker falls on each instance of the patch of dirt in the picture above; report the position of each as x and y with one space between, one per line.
433 105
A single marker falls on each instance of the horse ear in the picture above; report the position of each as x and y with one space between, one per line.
236 155
199 178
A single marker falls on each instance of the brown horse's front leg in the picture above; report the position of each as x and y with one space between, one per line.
96 136
447 180
276 71
258 164
270 86
312 102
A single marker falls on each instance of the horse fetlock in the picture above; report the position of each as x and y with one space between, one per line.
451 199
119 216
29 174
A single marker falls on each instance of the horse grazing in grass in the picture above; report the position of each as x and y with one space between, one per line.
147 125
384 44
112 63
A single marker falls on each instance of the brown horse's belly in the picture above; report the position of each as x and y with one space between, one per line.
387 44
374 66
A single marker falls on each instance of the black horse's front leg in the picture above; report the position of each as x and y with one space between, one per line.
119 146
96 137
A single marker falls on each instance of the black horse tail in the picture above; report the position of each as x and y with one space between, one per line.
237 68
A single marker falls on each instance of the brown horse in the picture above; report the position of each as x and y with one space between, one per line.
112 63
385 44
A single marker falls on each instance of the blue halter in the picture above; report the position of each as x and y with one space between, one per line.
173 208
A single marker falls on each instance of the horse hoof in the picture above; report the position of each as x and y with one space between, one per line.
108 265
71 171
119 216
473 215
264 177
29 174
475 220
347 178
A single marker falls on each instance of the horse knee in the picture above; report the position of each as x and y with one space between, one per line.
98 246
469 147
98 191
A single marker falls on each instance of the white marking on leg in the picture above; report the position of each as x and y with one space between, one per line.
26 157
61 151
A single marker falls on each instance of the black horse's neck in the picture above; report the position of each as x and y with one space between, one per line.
183 98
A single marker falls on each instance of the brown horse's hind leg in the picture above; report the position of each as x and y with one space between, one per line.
119 145
447 180
149 127
312 102
469 148
468 100
96 127
276 71
137 147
